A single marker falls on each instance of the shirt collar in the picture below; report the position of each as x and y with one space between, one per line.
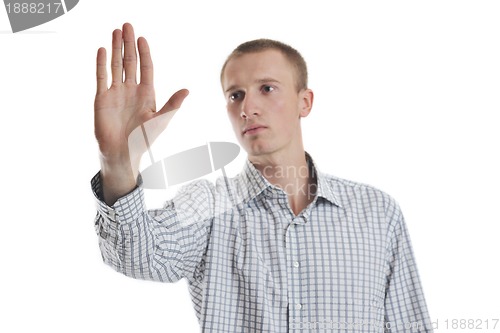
254 183
324 188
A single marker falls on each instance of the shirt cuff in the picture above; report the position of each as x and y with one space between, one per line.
125 210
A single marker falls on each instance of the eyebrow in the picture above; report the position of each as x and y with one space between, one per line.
263 80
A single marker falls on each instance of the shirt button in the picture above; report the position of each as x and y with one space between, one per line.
296 264
298 306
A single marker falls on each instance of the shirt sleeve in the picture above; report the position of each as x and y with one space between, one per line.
161 245
405 306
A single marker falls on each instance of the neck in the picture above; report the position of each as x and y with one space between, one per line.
291 173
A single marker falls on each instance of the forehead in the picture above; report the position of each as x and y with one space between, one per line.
256 66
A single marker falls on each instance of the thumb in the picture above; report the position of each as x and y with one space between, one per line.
174 102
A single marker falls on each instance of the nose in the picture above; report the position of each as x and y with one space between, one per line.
249 107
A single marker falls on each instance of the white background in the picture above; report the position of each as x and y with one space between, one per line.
405 99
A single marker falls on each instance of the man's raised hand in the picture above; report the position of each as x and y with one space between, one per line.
125 106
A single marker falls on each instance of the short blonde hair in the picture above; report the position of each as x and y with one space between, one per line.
291 54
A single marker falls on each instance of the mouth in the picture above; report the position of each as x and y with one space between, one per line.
253 129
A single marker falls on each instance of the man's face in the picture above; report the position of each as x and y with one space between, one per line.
263 104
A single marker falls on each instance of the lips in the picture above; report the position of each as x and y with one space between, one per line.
253 129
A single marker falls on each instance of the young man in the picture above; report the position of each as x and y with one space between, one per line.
281 247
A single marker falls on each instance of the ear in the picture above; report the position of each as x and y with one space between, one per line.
306 97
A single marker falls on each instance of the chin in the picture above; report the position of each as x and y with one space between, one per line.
253 149
259 149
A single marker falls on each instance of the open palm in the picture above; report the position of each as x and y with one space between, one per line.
126 104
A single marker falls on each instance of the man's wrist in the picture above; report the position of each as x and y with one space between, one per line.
117 179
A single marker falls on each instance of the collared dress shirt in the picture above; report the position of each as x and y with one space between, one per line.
343 264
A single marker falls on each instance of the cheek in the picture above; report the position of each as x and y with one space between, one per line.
233 118
287 112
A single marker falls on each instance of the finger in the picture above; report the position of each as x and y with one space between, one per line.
174 102
116 57
130 53
101 73
146 61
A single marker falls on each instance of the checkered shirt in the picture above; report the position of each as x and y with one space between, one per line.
344 264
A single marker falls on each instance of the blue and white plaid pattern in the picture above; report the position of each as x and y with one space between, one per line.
344 264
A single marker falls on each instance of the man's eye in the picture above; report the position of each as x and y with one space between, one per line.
235 96
267 89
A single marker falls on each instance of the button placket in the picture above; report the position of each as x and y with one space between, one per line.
294 291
